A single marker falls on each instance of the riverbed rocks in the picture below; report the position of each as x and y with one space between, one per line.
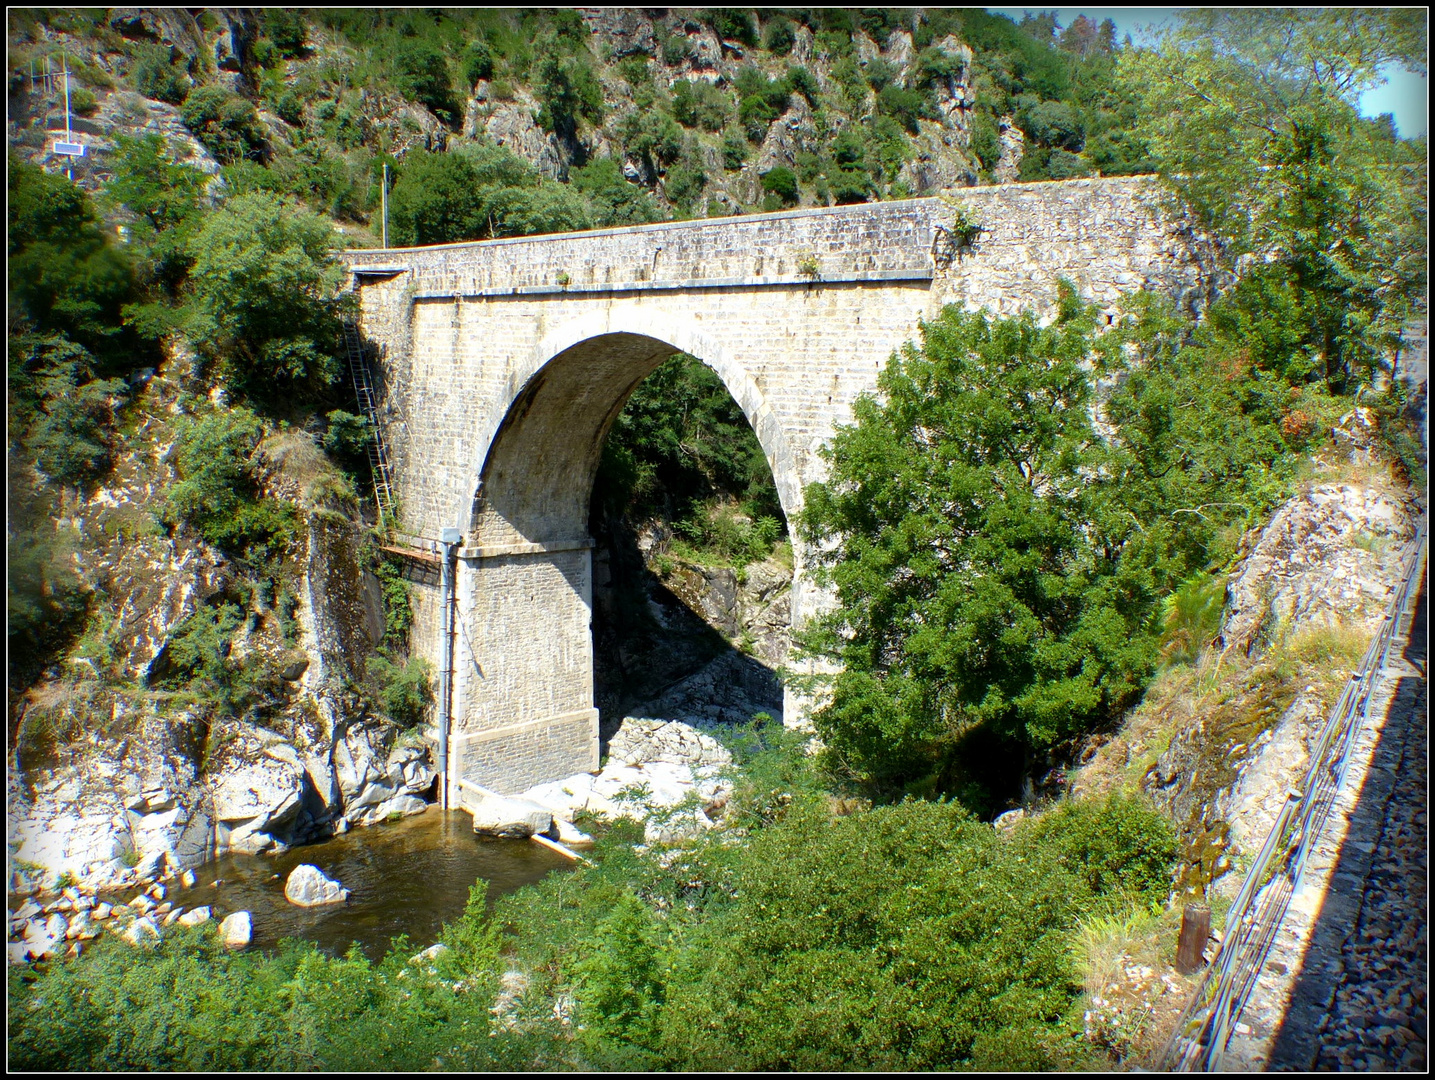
662 773
511 818
641 740
307 886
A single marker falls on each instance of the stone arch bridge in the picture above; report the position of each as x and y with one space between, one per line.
502 364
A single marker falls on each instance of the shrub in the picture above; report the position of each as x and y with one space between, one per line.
734 150
651 136
568 90
700 105
984 140
1117 846
404 691
421 74
157 76
477 62
285 28
782 182
83 102
225 123
218 488
675 49
732 24
803 82
779 36
615 201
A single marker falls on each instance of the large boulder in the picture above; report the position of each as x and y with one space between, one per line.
254 800
511 819
237 930
308 887
640 740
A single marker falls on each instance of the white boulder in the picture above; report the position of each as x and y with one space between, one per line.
237 930
195 917
512 819
308 887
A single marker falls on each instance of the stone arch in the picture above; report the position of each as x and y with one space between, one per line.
523 668
537 470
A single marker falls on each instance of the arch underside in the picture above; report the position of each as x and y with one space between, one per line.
525 695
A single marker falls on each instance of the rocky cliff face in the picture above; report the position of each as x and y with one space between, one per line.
676 640
113 778
1220 744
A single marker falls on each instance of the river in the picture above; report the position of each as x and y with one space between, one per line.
408 877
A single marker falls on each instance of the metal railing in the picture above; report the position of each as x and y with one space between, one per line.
1209 1020
369 409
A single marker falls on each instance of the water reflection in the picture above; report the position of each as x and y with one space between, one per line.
409 877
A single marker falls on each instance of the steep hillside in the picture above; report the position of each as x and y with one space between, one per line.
645 114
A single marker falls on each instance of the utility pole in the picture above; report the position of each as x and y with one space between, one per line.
385 199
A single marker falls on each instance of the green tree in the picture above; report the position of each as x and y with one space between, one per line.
1251 116
421 73
262 297
568 90
615 200
218 492
65 275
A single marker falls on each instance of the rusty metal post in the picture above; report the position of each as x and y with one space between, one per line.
1195 931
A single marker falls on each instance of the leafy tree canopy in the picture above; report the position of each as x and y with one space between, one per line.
1250 116
998 565
261 296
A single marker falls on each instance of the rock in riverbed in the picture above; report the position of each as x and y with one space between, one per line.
511 819
308 887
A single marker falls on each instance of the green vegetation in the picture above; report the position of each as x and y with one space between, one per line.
1031 524
697 465
905 937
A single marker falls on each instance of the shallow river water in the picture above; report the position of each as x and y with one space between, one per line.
408 877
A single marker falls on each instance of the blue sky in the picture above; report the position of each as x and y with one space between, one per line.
1404 94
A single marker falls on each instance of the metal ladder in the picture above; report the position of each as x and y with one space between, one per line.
369 409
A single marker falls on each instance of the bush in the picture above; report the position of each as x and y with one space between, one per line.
779 36
218 488
477 62
262 297
225 123
651 136
157 76
614 200
1119 846
71 420
984 140
732 24
421 74
734 150
782 182
285 28
700 105
568 91
404 691
803 82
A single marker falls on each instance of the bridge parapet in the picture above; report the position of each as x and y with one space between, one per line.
1072 227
